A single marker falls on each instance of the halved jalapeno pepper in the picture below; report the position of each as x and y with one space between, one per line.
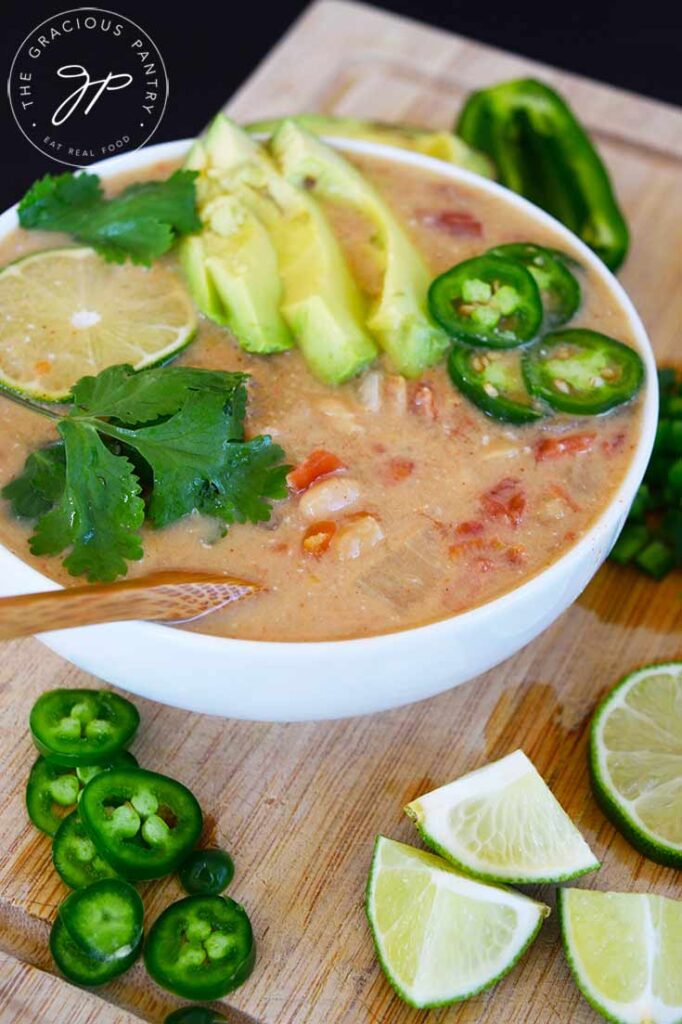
78 967
559 289
82 727
74 856
493 381
143 823
201 947
52 791
487 301
206 872
581 371
104 919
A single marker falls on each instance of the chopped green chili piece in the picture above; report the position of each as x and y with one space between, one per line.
82 727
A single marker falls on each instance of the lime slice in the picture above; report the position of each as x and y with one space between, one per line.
636 760
441 937
624 951
66 313
501 823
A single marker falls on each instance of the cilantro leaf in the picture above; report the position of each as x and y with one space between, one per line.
178 429
99 514
252 472
40 485
198 465
122 394
141 223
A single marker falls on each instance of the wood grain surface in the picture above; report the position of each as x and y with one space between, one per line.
299 805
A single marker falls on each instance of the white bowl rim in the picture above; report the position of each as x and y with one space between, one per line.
292 650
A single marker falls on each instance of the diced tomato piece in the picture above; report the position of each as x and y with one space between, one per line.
319 463
399 469
506 500
470 527
424 402
475 545
318 537
459 223
568 444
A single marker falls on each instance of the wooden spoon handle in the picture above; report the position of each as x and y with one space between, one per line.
164 596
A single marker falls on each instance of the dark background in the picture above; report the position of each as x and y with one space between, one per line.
210 48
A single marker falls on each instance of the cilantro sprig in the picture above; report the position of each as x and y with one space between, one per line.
141 223
149 446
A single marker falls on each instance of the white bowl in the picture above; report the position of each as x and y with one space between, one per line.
298 681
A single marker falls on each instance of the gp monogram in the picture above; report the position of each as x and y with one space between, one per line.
86 84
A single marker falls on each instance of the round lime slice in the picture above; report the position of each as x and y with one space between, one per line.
502 823
636 760
67 313
624 952
442 937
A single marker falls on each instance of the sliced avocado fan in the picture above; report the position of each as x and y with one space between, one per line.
321 303
231 264
441 145
399 320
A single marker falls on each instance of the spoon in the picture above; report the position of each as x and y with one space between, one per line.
162 596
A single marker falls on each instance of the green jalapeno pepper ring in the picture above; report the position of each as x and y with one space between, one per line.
493 381
77 966
201 947
582 371
559 288
487 301
104 919
143 823
52 791
82 727
75 857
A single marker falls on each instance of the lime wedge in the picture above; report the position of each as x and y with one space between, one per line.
67 313
624 952
636 760
501 823
441 937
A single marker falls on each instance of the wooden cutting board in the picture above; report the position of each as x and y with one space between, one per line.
299 805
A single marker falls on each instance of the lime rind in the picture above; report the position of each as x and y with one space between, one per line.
621 811
529 917
56 294
508 790
647 1008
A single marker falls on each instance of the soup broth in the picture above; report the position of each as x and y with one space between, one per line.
439 508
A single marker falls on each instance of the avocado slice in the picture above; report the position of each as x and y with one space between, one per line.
441 145
321 303
400 319
231 265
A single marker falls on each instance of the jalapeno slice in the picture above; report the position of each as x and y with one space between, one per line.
559 289
82 727
52 791
143 823
201 947
581 371
493 381
75 857
194 1015
487 301
206 872
80 968
104 919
